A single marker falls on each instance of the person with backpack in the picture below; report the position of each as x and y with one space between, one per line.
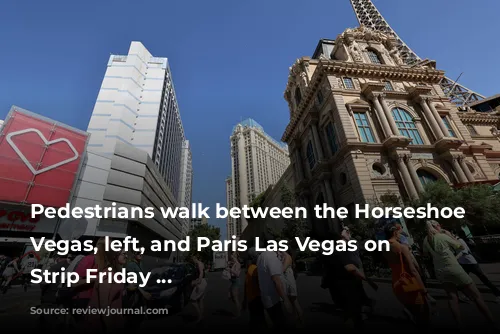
49 296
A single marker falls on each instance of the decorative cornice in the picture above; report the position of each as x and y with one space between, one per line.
380 71
479 118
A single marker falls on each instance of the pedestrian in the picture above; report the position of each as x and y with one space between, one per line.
199 286
135 297
407 284
290 285
273 294
106 295
11 269
368 304
346 282
403 239
449 272
234 267
27 265
49 299
82 290
470 265
252 297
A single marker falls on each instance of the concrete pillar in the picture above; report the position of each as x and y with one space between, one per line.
431 120
458 169
466 170
439 120
414 176
407 178
383 119
388 114
317 141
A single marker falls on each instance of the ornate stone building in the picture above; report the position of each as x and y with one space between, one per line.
482 119
362 123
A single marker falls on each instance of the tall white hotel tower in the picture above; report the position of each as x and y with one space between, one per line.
137 105
258 161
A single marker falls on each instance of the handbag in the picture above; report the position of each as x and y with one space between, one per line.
226 274
407 282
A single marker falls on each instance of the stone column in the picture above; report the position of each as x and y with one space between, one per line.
403 169
439 120
458 169
414 176
388 114
431 120
317 141
381 116
466 170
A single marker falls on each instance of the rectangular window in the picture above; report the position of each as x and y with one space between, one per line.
472 130
365 131
388 86
348 83
332 137
448 126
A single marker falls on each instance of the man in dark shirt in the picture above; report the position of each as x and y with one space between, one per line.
346 286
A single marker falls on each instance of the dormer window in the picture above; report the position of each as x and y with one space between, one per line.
373 56
298 96
388 86
348 83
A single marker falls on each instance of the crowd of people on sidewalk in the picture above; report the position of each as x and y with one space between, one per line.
270 293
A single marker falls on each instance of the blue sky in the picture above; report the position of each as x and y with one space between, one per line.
229 59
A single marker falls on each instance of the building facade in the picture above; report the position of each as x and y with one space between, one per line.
272 198
137 106
129 178
482 120
197 222
257 162
186 183
230 227
362 123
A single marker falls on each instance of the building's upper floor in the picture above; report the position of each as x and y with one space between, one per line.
356 93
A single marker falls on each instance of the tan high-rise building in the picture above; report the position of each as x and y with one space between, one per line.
363 123
258 161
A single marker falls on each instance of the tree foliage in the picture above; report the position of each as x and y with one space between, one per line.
293 227
480 202
203 230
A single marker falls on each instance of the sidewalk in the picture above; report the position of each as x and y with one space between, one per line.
492 271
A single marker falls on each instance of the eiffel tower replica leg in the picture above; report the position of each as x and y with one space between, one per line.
369 16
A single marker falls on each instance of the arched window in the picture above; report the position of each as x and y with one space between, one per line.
374 58
298 96
310 155
406 126
425 177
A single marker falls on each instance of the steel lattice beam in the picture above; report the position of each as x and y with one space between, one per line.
369 16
